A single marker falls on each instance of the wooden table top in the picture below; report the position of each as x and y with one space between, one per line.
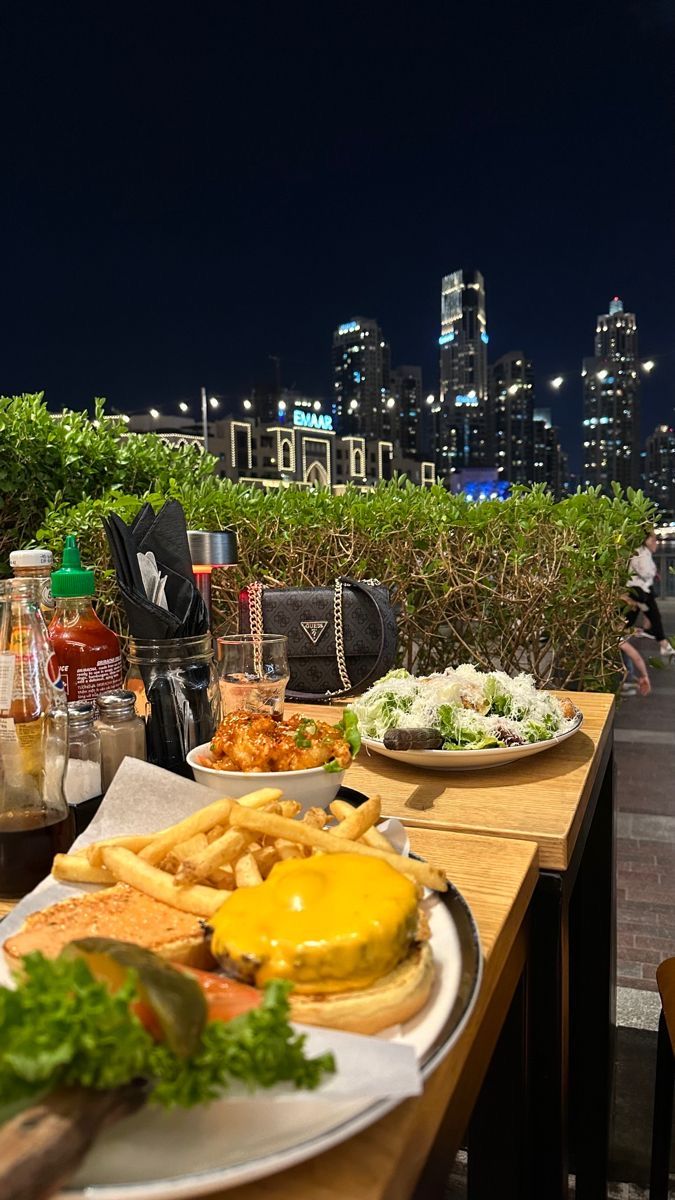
497 877
542 799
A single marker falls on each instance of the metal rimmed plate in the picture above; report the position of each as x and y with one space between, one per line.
469 760
155 1155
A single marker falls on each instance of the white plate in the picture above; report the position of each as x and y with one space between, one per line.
154 1155
469 760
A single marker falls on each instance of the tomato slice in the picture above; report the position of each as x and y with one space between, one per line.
226 998
148 1019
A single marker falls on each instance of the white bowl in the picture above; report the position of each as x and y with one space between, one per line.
313 788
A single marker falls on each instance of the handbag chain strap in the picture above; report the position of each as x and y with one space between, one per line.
255 592
255 600
340 637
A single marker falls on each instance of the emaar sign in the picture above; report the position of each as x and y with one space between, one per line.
312 420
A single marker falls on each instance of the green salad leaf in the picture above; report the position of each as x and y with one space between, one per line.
457 735
535 731
61 1026
349 728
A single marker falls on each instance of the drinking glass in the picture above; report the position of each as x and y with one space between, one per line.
253 673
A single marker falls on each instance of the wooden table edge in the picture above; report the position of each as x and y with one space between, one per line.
418 1130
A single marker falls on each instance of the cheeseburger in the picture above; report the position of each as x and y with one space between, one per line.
345 930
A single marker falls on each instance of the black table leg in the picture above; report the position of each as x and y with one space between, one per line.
593 999
496 1143
663 1115
548 1040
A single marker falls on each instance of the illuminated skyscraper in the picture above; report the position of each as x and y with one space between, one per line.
659 482
464 427
550 460
611 424
361 378
512 403
406 392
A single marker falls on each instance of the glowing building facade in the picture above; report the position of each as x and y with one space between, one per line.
611 420
464 434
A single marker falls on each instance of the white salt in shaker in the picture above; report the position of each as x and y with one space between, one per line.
82 784
121 730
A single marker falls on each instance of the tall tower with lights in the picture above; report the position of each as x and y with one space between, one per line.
659 481
512 401
611 421
464 426
361 378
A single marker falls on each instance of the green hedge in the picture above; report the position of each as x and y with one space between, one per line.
66 460
525 584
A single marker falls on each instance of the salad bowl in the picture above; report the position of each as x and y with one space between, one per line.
462 719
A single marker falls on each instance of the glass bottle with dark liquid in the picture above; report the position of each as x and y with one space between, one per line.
35 822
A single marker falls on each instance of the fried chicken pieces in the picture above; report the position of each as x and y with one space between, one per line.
246 741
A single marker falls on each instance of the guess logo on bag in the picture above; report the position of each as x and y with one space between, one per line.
314 629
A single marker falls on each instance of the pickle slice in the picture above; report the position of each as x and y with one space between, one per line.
175 999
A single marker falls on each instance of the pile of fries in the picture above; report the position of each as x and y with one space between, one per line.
230 844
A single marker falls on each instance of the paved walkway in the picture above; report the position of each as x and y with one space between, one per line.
645 757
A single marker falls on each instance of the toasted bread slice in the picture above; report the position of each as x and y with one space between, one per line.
120 912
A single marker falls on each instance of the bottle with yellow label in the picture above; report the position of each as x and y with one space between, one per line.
35 822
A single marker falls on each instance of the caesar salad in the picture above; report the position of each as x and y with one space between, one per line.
467 709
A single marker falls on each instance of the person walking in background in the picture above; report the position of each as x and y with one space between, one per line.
641 590
637 676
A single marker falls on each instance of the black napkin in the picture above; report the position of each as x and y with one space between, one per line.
165 534
180 715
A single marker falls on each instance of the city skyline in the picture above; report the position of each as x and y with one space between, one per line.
160 234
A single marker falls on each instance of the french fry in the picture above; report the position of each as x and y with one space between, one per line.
260 798
372 837
129 868
223 879
194 845
266 857
202 820
76 868
216 832
289 808
198 822
246 872
133 842
218 854
319 839
359 820
286 849
316 817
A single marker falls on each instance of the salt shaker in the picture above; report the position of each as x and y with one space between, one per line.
121 730
82 783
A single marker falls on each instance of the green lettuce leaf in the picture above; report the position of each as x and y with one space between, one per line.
61 1026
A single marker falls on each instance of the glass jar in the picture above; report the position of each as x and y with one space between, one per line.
36 564
35 822
177 694
83 774
121 731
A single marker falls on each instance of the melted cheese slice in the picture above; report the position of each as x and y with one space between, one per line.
329 923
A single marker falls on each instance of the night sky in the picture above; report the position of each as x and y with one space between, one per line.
188 189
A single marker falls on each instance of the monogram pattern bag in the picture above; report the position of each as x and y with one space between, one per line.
340 639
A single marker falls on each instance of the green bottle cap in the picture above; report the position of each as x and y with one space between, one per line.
72 579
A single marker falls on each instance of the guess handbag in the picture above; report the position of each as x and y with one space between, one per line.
340 639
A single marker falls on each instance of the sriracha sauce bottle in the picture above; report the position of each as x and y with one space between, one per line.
88 652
